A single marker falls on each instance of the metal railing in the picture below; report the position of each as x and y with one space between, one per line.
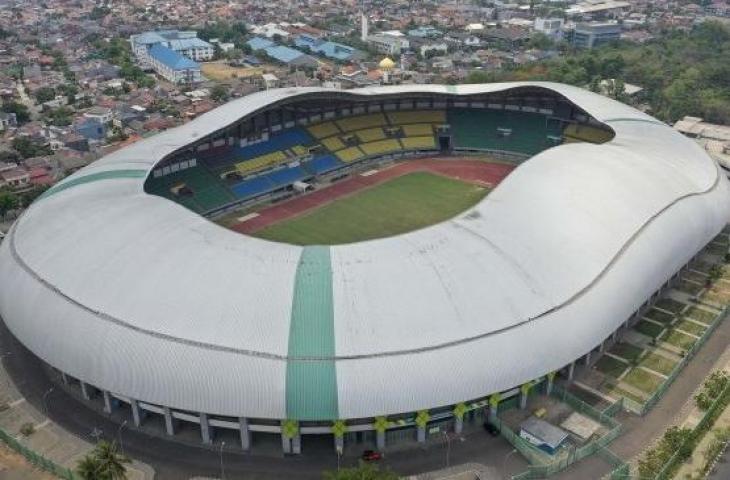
36 459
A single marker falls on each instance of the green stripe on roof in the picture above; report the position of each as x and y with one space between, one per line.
311 383
93 177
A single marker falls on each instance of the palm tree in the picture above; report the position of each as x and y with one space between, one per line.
89 467
111 461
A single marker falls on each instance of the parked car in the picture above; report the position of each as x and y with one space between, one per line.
371 456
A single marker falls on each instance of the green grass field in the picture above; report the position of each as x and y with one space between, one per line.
400 205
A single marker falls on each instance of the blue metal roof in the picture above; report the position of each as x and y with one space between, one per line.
283 54
171 58
258 43
334 50
149 38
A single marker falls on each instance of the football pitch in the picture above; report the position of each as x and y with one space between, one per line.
405 203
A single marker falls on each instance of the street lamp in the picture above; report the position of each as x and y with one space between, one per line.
45 405
119 436
504 461
223 472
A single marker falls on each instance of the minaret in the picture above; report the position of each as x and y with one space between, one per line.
363 22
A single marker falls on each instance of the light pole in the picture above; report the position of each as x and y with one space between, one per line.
223 472
119 436
45 395
504 461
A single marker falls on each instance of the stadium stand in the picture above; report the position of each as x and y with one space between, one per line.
193 187
418 143
370 134
260 163
323 164
381 147
417 130
323 130
507 130
252 187
287 176
361 122
417 116
350 154
333 143
585 133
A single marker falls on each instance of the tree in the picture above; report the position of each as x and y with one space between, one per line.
27 148
44 94
21 111
103 463
219 93
8 202
364 471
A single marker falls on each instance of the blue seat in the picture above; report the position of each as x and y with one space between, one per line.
287 176
323 164
255 186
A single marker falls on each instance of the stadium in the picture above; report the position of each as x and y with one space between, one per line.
364 264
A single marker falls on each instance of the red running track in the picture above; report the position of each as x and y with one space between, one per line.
467 170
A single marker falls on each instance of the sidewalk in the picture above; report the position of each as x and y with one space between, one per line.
49 439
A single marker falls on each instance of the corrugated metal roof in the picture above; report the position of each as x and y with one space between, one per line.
171 58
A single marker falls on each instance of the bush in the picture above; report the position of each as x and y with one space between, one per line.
27 429
711 389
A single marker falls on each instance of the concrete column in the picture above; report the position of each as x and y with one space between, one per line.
296 444
614 336
458 425
169 421
285 444
571 370
136 414
245 433
493 411
339 444
205 429
64 378
549 385
587 359
107 402
421 434
600 347
523 401
380 440
85 390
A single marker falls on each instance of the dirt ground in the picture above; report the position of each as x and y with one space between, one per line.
223 71
14 466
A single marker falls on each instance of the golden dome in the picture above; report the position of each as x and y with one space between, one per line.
387 64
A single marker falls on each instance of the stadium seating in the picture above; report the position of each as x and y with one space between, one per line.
207 191
417 130
323 130
521 132
350 154
299 150
260 163
333 143
381 147
586 133
252 187
350 124
370 134
323 164
417 116
418 143
287 176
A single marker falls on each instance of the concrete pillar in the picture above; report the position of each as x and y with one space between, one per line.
64 378
421 434
296 444
380 440
587 359
339 444
571 370
136 414
549 384
493 411
107 402
523 400
205 429
245 433
285 444
169 421
614 336
600 347
458 425
85 391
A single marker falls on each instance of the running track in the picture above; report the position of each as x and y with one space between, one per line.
474 171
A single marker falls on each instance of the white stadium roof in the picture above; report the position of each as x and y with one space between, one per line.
137 295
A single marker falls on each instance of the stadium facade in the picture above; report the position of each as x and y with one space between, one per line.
151 307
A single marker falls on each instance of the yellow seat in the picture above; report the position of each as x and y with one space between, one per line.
361 122
333 143
262 162
586 133
417 130
351 154
370 134
381 147
299 150
323 130
418 143
417 116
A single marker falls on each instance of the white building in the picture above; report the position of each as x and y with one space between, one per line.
185 43
552 27
388 43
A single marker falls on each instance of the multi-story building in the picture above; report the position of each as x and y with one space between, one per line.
185 43
594 34
173 66
388 43
552 27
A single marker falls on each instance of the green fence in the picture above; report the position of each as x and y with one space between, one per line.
36 459
542 464
642 409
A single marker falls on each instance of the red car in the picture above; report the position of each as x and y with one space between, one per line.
371 456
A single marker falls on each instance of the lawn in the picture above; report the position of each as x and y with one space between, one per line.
658 363
690 288
627 351
616 392
691 327
643 380
659 316
694 276
679 339
406 203
649 329
701 315
610 366
670 305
